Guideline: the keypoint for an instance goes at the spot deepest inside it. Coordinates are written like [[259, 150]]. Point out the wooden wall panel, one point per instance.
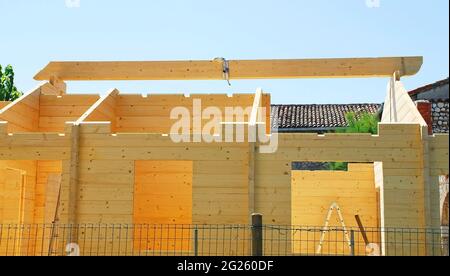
[[163, 196], [57, 110], [163, 192], [23, 114], [151, 114], [17, 198], [28, 169], [313, 192], [438, 149], [273, 189], [220, 170], [105, 191], [220, 192], [105, 111], [398, 147], [46, 193], [398, 106]]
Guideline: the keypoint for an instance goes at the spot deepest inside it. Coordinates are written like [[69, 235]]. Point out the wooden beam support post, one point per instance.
[[74, 172], [58, 84], [253, 135], [257, 235]]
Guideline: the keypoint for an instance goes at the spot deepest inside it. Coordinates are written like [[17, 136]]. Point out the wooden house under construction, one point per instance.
[[77, 159]]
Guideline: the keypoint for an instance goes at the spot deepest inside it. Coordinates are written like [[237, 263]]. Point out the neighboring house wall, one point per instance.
[[436, 91], [440, 115], [437, 94]]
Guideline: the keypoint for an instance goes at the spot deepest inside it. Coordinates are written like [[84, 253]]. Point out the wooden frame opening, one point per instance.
[[313, 194]]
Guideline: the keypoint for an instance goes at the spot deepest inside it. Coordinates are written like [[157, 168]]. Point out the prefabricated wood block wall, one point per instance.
[[17, 190], [28, 195], [314, 192], [102, 163], [152, 114], [159, 113], [398, 147], [41, 112], [162, 196], [55, 111], [163, 192], [220, 172], [35, 184], [107, 163]]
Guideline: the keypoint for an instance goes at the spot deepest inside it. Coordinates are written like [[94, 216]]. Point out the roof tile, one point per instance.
[[316, 115]]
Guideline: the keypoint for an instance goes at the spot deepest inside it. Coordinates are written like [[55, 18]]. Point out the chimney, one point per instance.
[[424, 108]]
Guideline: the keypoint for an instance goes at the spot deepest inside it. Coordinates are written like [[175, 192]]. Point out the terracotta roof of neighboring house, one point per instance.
[[429, 87], [317, 116]]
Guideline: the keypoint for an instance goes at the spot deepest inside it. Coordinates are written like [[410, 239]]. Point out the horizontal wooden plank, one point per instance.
[[104, 167], [56, 123], [338, 142], [105, 207], [62, 110], [333, 175], [239, 69], [151, 101], [68, 100], [19, 118], [162, 153], [104, 218], [335, 155], [100, 104], [34, 153], [136, 140]]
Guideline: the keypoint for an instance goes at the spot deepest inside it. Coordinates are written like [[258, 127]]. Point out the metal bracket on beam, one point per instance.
[[225, 69], [397, 75]]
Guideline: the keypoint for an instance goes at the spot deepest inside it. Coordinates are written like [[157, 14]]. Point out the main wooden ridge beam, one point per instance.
[[238, 69]]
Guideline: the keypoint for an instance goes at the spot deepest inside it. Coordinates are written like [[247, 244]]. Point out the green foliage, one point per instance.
[[8, 92], [337, 166], [366, 123]]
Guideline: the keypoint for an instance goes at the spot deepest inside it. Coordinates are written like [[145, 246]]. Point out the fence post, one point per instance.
[[257, 235], [352, 242], [444, 240], [196, 241]]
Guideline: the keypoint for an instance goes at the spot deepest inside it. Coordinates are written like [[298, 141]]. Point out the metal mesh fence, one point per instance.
[[216, 240]]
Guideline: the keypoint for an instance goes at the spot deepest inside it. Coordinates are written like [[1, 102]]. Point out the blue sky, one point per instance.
[[36, 32]]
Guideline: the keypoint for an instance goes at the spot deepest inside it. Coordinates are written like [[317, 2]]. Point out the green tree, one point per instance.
[[338, 166], [364, 123], [8, 92]]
